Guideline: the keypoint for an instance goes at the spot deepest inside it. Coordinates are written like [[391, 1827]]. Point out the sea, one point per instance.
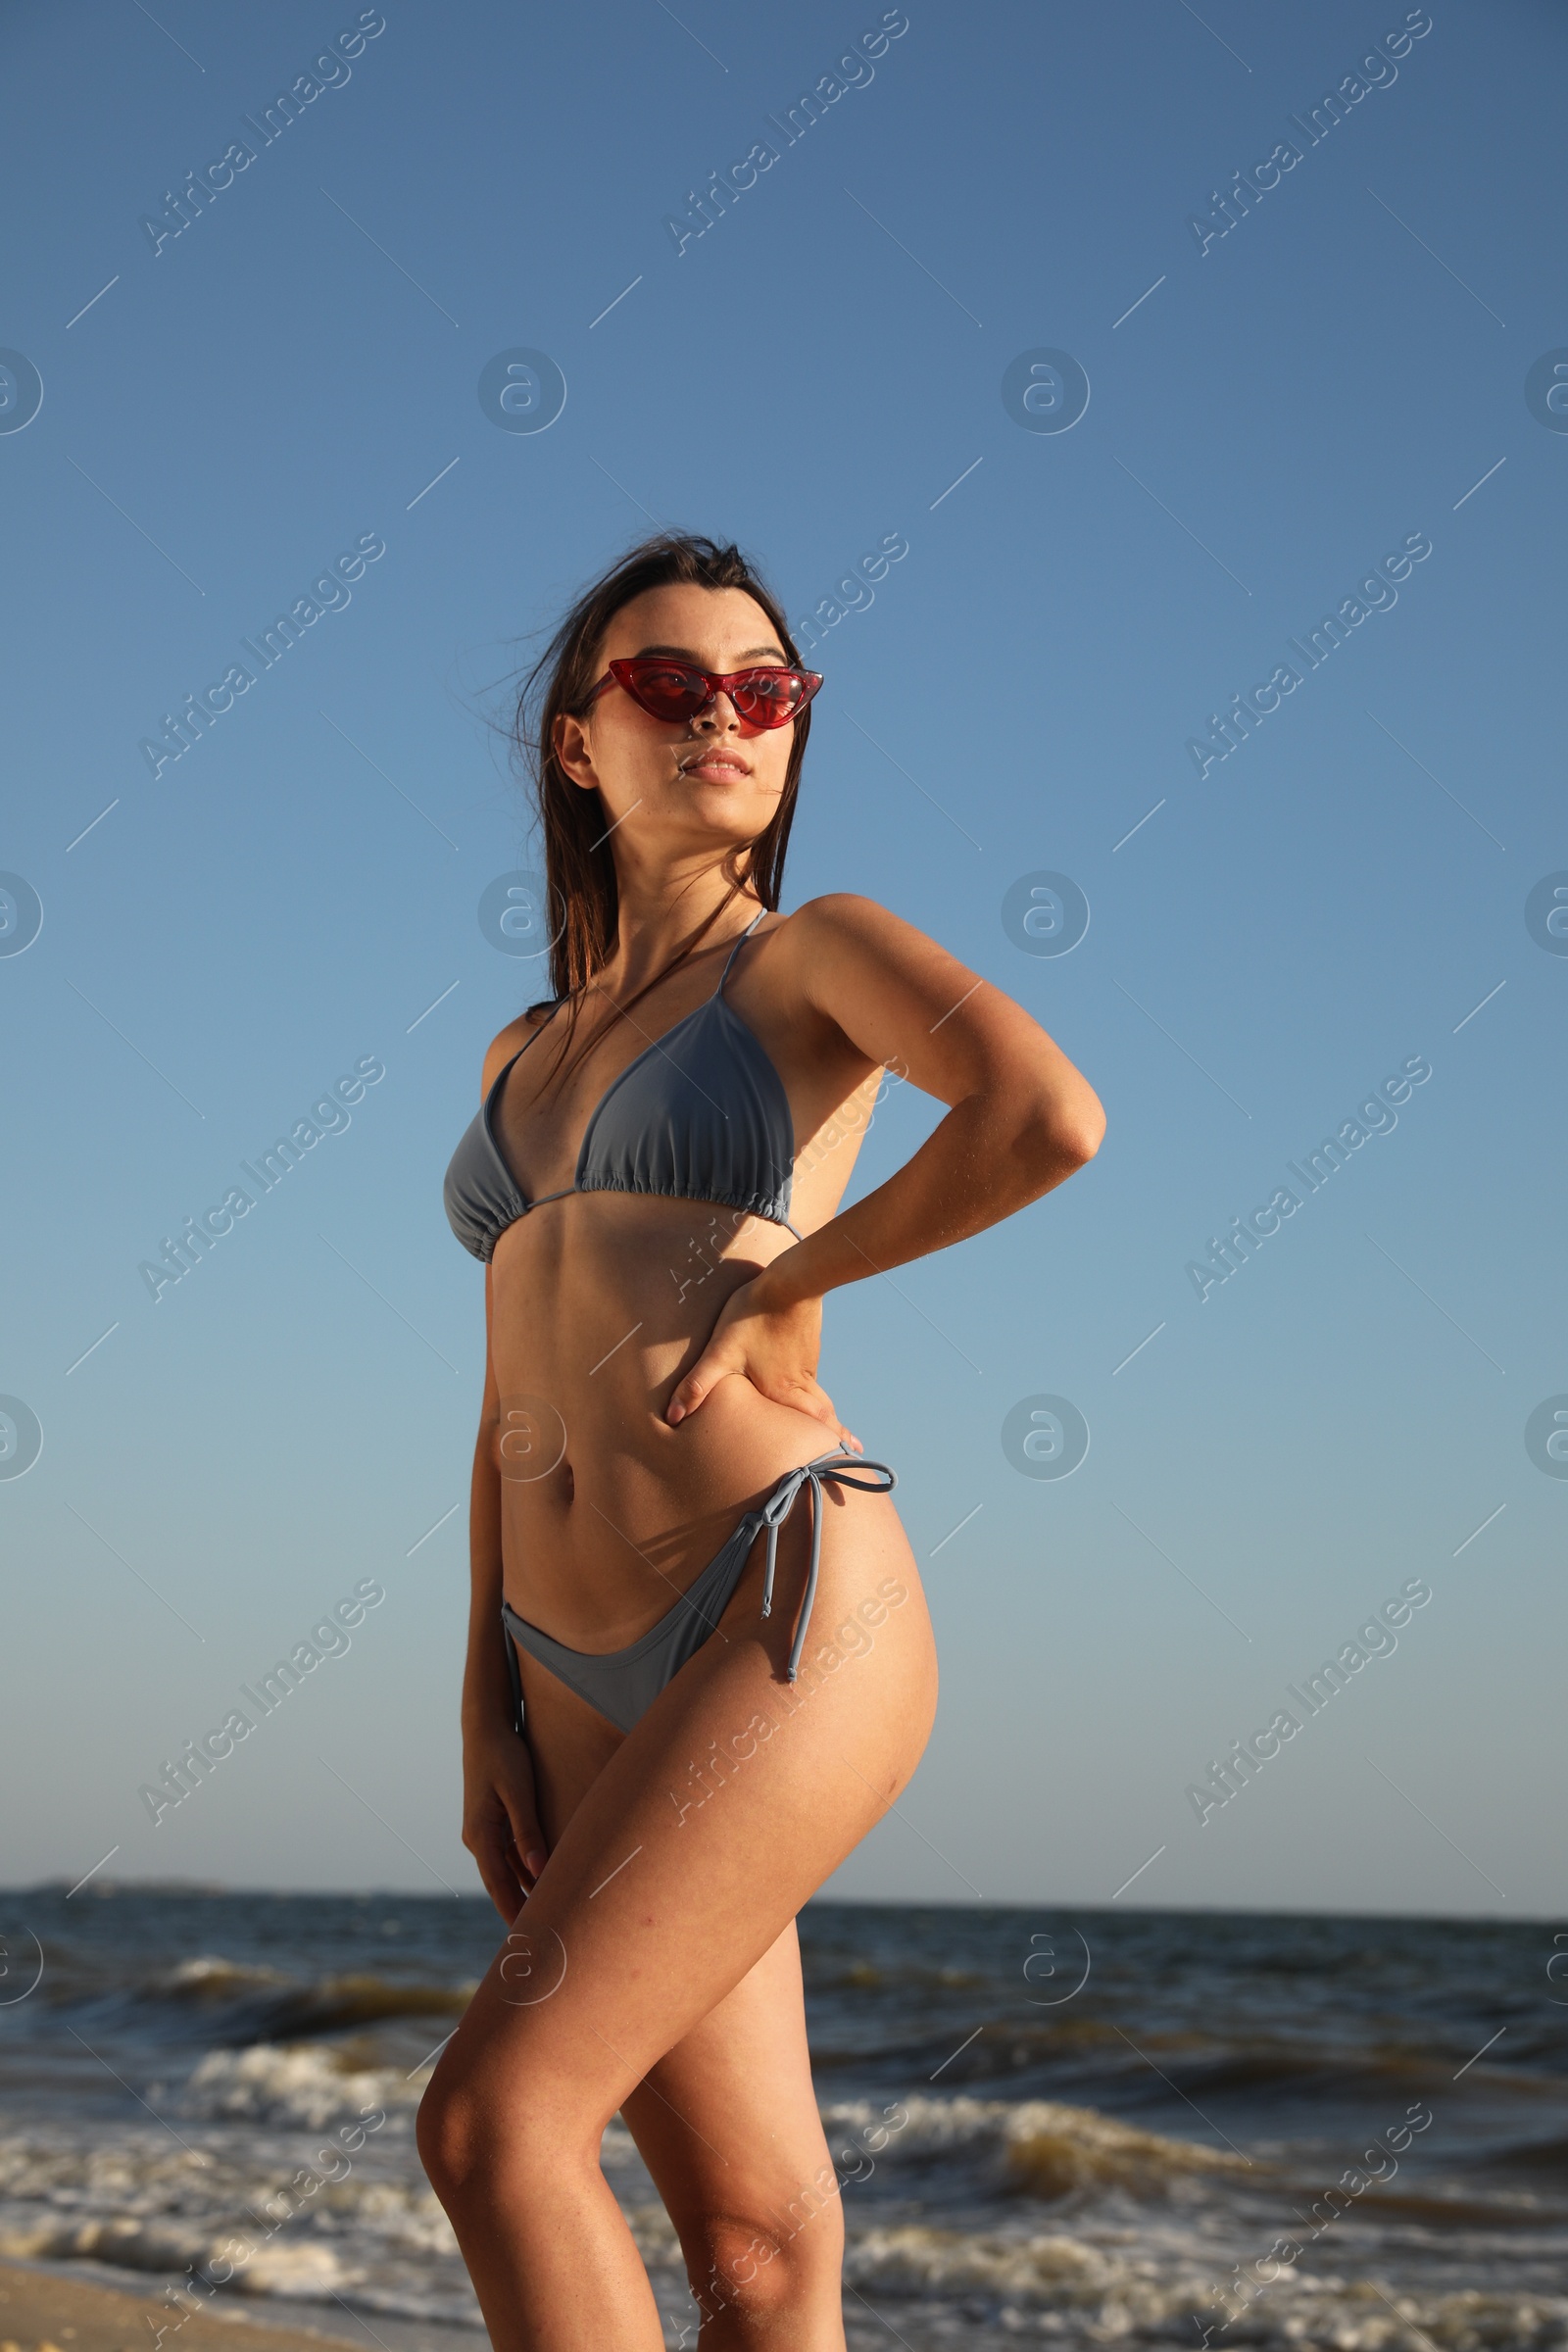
[[1083, 2127]]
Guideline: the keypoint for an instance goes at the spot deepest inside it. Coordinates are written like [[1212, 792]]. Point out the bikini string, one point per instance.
[[782, 1501], [772, 1516]]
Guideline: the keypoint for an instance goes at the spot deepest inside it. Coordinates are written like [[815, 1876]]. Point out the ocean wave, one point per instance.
[[316, 2084], [277, 2005], [976, 2280], [378, 2241], [210, 1972], [1037, 2146], [129, 2244], [873, 1976], [365, 2000], [913, 2260], [1110, 2295], [237, 2207], [307, 2267], [1546, 2156], [1225, 2069], [250, 2000], [144, 2190], [301, 2083]]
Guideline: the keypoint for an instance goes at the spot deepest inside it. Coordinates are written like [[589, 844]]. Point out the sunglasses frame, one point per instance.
[[623, 673]]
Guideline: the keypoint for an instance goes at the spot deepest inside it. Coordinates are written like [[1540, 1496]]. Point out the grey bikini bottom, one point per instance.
[[622, 1684]]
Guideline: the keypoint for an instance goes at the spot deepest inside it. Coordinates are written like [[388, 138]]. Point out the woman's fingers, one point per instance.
[[527, 1836], [498, 1871], [502, 1832], [822, 1407], [784, 1382], [506, 1897], [819, 1404], [700, 1381]]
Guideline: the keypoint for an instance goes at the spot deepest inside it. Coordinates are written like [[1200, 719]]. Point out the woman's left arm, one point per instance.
[[1020, 1120]]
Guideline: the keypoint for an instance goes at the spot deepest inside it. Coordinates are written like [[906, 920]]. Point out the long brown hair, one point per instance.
[[580, 863]]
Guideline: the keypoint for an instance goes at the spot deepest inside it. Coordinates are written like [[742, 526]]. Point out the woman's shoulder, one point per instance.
[[832, 910], [509, 1042], [843, 951], [836, 917]]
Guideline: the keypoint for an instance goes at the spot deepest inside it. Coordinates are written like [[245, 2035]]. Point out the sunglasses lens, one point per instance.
[[767, 698], [668, 692]]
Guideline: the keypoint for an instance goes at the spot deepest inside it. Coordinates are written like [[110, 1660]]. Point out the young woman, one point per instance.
[[716, 1670]]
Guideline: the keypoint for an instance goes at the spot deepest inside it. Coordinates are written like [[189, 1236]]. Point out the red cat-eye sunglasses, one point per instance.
[[676, 691]]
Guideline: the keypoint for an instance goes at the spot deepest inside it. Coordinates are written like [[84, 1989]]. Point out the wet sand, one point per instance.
[[38, 2308]]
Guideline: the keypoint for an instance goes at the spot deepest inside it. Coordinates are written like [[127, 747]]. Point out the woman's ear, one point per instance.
[[569, 743]]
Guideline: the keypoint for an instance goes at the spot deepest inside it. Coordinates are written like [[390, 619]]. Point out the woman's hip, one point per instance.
[[837, 1614]]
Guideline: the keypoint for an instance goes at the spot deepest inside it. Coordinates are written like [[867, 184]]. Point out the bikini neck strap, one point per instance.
[[736, 948]]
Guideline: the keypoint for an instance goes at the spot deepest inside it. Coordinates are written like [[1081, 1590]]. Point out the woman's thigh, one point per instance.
[[705, 1831], [727, 2125]]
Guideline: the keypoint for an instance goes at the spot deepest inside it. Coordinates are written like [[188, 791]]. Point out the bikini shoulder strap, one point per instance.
[[736, 948], [531, 1039]]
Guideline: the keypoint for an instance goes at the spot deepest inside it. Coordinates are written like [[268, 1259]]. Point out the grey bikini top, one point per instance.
[[701, 1115]]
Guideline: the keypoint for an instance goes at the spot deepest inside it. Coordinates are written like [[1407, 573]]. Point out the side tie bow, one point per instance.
[[781, 1502]]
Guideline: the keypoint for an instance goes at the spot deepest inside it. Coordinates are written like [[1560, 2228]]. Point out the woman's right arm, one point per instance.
[[500, 1814]]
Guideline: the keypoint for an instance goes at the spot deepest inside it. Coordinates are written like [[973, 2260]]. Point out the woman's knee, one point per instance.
[[452, 2133], [478, 2145], [756, 2264]]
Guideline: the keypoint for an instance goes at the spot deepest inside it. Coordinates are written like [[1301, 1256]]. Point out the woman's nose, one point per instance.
[[718, 712]]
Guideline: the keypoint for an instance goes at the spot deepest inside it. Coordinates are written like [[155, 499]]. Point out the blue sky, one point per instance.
[[1271, 412]]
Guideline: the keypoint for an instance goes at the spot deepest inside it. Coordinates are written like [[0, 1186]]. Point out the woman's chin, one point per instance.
[[726, 812]]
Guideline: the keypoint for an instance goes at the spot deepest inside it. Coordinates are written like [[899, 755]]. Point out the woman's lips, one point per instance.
[[715, 765]]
